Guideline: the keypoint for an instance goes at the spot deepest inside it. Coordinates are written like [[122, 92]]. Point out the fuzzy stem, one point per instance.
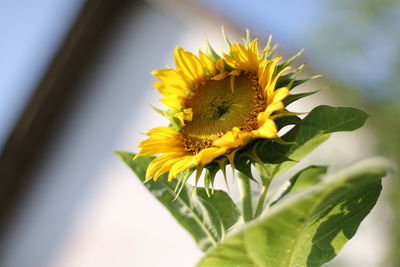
[[245, 197], [266, 178], [261, 200]]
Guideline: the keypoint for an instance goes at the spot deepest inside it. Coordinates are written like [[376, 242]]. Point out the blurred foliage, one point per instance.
[[360, 41], [386, 126]]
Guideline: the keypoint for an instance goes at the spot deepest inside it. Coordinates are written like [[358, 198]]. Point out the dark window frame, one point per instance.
[[34, 130]]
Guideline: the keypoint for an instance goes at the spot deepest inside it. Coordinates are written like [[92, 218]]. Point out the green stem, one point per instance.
[[266, 178], [245, 197], [261, 200]]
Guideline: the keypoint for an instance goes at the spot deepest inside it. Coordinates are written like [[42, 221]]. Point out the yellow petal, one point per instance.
[[272, 85], [162, 164], [184, 163], [188, 114], [220, 76], [267, 130], [162, 139], [263, 73], [207, 63], [253, 47], [232, 139], [235, 72], [165, 142], [171, 77], [189, 64], [155, 150], [219, 65], [172, 83], [278, 95], [244, 58], [274, 107], [166, 89], [173, 102], [267, 76], [181, 119], [209, 154], [162, 130]]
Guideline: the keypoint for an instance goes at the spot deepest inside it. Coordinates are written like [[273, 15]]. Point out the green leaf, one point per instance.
[[308, 177], [305, 178], [310, 133], [296, 153], [308, 228], [207, 219], [328, 119]]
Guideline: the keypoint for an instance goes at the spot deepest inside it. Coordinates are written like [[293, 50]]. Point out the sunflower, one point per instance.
[[216, 105]]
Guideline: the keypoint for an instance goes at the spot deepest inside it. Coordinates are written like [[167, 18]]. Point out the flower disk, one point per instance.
[[217, 105]]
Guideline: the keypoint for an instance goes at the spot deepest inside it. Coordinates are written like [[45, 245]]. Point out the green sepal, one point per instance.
[[269, 151], [170, 115], [247, 41], [289, 80], [211, 171], [243, 164], [228, 43], [199, 170], [270, 54], [285, 79], [286, 120], [254, 160], [228, 68], [182, 178], [207, 72], [299, 82], [222, 162], [294, 97], [289, 61], [214, 56], [268, 45], [268, 51]]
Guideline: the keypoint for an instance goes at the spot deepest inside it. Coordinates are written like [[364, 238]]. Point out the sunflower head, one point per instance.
[[220, 107]]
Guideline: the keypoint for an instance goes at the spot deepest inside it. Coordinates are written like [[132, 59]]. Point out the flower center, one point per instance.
[[218, 107]]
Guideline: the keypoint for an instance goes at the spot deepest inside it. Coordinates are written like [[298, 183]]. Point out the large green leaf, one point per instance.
[[207, 219], [308, 228], [305, 178], [307, 135]]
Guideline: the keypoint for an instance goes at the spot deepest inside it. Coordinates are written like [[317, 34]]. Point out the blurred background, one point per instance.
[[74, 80]]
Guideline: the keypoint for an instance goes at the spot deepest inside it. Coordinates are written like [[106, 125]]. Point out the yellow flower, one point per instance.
[[216, 106]]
